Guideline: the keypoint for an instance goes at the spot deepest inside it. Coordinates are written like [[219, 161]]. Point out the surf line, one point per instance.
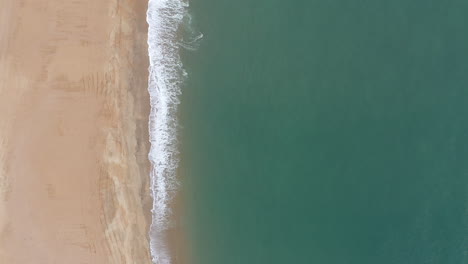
[[166, 75]]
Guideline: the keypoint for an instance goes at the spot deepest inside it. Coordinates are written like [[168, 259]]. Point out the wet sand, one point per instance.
[[73, 132]]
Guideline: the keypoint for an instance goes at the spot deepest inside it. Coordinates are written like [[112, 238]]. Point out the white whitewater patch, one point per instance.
[[166, 76]]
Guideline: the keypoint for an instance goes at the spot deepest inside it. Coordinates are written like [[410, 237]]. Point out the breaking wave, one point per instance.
[[166, 76]]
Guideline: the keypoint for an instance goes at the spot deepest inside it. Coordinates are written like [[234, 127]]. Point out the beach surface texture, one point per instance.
[[74, 107]]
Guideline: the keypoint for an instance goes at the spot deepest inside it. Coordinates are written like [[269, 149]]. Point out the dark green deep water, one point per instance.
[[327, 131]]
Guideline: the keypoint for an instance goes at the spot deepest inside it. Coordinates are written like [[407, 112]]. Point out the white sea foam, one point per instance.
[[166, 76]]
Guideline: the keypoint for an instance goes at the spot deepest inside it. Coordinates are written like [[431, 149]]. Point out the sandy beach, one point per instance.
[[73, 132]]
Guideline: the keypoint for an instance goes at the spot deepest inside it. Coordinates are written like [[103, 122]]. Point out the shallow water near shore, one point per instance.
[[326, 132]]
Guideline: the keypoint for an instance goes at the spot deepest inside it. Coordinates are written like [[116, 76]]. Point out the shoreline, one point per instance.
[[74, 139], [166, 77]]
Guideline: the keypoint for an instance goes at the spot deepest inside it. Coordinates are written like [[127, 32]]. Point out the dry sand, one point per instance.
[[73, 137]]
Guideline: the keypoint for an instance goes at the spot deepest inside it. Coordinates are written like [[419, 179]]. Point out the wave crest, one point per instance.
[[166, 75]]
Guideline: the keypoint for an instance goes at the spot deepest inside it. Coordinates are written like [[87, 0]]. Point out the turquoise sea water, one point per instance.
[[327, 132]]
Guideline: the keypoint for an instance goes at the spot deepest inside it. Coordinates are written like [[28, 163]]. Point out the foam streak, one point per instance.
[[164, 85]]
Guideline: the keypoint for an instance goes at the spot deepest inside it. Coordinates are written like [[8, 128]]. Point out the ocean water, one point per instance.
[[327, 132]]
